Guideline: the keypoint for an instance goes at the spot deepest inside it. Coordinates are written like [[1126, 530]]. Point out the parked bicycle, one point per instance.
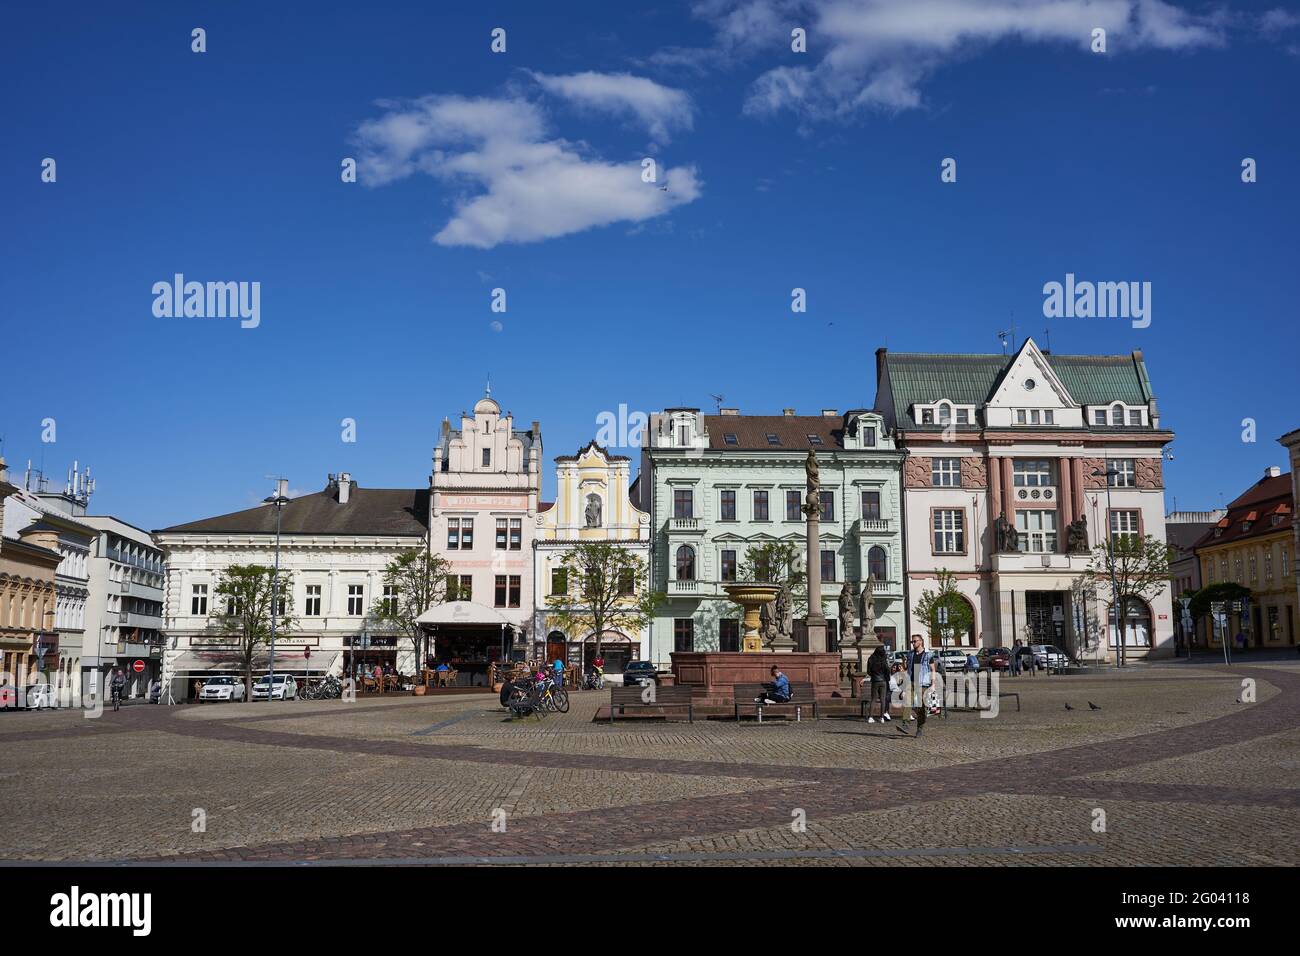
[[328, 688]]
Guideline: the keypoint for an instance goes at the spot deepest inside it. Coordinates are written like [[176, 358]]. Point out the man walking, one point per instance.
[[921, 668]]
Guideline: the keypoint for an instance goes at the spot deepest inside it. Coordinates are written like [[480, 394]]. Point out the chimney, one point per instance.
[[1272, 471], [345, 487], [880, 363], [728, 411], [830, 413], [788, 412]]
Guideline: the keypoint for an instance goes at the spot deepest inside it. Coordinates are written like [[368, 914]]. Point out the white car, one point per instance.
[[286, 688], [222, 688], [953, 659], [41, 695]]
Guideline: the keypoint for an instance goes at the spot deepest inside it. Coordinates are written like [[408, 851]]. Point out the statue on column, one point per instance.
[[867, 607], [846, 614], [784, 612], [767, 622], [1076, 535], [1007, 539], [813, 500]]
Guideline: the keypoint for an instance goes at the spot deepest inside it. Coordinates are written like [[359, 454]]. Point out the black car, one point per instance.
[[640, 672]]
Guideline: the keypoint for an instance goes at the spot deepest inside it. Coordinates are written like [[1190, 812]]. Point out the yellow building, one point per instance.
[[592, 503], [27, 598], [1254, 546]]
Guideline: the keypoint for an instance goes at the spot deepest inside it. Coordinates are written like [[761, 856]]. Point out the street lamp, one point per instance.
[[279, 500], [1116, 598]]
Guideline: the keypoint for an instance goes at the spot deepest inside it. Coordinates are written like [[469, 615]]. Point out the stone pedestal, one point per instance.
[[713, 674]]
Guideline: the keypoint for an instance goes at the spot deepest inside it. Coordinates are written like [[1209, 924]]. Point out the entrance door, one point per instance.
[[555, 644], [1045, 616]]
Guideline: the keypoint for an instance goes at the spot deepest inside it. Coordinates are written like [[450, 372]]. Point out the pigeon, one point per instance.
[[1092, 706], [1068, 707]]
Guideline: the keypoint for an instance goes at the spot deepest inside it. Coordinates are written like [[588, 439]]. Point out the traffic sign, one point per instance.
[[138, 667]]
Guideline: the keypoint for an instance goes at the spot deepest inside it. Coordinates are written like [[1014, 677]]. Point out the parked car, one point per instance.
[[995, 658], [286, 688], [8, 697], [640, 672], [1049, 655], [952, 659], [223, 688], [41, 695]]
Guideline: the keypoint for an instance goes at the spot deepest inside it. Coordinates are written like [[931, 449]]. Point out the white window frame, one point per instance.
[[1021, 473], [1032, 526], [948, 531], [945, 468]]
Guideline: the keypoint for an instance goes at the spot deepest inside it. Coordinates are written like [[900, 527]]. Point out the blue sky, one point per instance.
[[482, 171]]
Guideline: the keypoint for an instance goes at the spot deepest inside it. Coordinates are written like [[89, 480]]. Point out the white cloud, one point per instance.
[[660, 109], [877, 54], [520, 185]]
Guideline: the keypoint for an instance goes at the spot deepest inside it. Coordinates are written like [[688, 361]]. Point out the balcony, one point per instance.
[[148, 622], [687, 588], [685, 525], [875, 526]]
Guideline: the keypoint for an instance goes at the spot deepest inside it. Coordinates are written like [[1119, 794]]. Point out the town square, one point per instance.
[[761, 435]]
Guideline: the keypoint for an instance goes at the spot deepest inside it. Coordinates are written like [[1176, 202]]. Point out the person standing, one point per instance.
[[921, 668], [1015, 658], [878, 672], [558, 667]]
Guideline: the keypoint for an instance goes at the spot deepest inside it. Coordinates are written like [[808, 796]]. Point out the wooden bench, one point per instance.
[[622, 698], [801, 696]]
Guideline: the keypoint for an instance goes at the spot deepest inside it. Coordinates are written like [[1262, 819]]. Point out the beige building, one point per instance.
[[27, 598], [1291, 441]]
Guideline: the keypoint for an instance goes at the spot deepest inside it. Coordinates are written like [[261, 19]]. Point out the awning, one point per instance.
[[207, 663], [463, 612]]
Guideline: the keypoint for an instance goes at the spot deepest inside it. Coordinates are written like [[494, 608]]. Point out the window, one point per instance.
[[877, 563], [281, 604], [390, 599], [1286, 562], [1099, 416], [501, 534], [516, 582], [1124, 526], [1037, 531], [516, 533], [730, 439], [871, 505], [683, 503], [356, 599], [460, 588], [199, 599], [453, 534], [559, 580], [1135, 416], [949, 531], [1137, 624], [728, 565], [828, 565], [1031, 472], [944, 416], [626, 581], [927, 416], [312, 606], [963, 416], [466, 534], [1020, 417], [500, 591], [815, 440], [1117, 415], [945, 472], [869, 436], [683, 634], [773, 439], [487, 457], [760, 505], [685, 563], [729, 634], [1122, 473], [828, 505], [1049, 417], [727, 504], [792, 499]]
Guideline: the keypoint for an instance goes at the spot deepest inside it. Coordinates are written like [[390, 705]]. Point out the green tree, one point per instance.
[[960, 617], [1225, 591], [778, 562], [242, 610], [1132, 567], [604, 588], [418, 581]]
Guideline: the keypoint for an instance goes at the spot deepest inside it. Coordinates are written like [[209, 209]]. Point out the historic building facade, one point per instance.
[[28, 560], [1291, 442], [334, 547], [1183, 529], [1254, 546], [484, 497], [592, 504], [1005, 486], [716, 486]]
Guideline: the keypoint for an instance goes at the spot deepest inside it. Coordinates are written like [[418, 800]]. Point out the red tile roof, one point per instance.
[[1269, 496]]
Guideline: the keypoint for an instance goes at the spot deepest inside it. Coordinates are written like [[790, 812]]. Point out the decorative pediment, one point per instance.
[[1030, 381]]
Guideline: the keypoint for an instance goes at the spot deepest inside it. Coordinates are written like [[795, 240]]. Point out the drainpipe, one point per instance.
[[902, 531]]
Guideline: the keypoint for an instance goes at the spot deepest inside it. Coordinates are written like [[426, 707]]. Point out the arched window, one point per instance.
[[1137, 623], [1117, 414], [877, 563], [685, 563]]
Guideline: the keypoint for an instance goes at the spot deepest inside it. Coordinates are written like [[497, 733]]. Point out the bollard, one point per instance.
[[798, 714]]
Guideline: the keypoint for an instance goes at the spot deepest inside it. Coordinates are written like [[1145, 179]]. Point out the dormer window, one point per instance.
[[944, 414], [730, 439], [963, 416], [815, 440], [683, 434], [869, 436], [927, 416], [1117, 415]]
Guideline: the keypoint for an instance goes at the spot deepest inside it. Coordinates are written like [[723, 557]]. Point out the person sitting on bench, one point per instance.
[[778, 691]]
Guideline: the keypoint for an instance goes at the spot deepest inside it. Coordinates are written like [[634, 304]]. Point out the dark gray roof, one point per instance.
[[381, 511], [791, 432]]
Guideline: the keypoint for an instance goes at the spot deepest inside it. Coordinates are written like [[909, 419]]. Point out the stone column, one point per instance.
[[995, 487], [1066, 467], [816, 620], [1008, 491]]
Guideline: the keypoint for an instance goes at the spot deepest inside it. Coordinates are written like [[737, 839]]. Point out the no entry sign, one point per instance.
[[138, 667]]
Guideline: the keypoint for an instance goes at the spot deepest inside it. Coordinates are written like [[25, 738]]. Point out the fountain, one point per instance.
[[751, 597]]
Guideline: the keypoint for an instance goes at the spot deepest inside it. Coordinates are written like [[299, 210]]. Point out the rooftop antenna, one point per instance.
[[488, 389], [718, 400], [1047, 339], [1009, 333]]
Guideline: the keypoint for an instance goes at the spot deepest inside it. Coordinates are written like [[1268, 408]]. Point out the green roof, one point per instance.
[[918, 377]]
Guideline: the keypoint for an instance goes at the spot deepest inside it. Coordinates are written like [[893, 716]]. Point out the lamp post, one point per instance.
[[1116, 599], [279, 500]]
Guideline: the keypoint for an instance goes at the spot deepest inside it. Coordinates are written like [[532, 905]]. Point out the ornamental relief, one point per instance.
[[1088, 466], [974, 472], [1150, 472], [916, 472]]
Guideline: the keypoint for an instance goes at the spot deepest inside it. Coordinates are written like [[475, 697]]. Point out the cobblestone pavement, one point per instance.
[[1171, 769]]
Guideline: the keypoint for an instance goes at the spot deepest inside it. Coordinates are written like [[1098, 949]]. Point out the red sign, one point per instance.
[[138, 667], [306, 652]]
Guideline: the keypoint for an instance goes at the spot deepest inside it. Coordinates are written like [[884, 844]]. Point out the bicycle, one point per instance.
[[117, 698]]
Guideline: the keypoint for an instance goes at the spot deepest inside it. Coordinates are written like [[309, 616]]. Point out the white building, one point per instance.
[[1028, 437], [124, 615], [334, 547]]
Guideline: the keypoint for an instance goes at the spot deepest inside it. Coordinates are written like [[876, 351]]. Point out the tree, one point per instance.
[[242, 610], [604, 588], [777, 562], [960, 617], [1086, 637], [1225, 591], [418, 579], [1129, 567]]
